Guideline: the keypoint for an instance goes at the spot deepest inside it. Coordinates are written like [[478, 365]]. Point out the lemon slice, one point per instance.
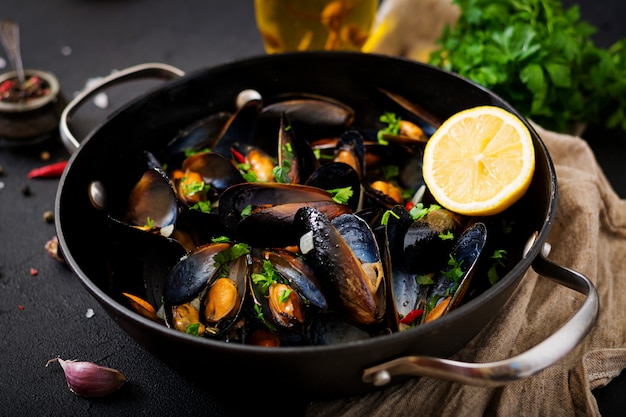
[[480, 161]]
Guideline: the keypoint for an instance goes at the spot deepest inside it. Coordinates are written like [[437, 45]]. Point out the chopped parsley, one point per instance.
[[392, 128], [191, 152], [267, 277], [424, 279], [446, 236], [385, 217], [192, 329], [281, 173], [498, 256], [418, 211], [194, 187], [203, 206], [341, 195], [284, 295], [246, 172], [246, 211], [390, 171], [259, 313], [234, 252], [455, 273]]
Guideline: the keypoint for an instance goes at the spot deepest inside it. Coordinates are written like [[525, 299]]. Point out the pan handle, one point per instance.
[[148, 70], [534, 360]]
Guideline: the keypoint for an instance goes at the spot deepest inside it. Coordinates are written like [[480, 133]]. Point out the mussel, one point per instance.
[[255, 212], [206, 289], [346, 254]]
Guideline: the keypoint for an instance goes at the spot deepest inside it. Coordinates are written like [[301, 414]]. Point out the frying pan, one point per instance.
[[344, 369]]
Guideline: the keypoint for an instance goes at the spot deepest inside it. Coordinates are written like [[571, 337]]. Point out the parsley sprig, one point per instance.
[[539, 57]]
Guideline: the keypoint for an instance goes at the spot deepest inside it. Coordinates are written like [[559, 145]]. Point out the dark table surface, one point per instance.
[[44, 315]]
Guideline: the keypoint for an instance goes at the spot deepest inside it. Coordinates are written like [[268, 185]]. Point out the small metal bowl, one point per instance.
[[33, 120]]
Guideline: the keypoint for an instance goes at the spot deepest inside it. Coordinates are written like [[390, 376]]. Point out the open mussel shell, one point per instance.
[[225, 299], [295, 154], [278, 308], [311, 115], [206, 289], [198, 136], [299, 275], [334, 175], [152, 201], [351, 274], [409, 110], [404, 292], [425, 247], [241, 128], [451, 285], [467, 251], [192, 273], [216, 170]]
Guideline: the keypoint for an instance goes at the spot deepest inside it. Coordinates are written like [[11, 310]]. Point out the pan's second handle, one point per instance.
[[148, 70], [534, 360]]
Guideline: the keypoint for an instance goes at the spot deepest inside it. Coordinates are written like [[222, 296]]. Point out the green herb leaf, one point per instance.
[[424, 279], [541, 58], [192, 329], [281, 173], [385, 217], [390, 171], [203, 206], [265, 278], [418, 211], [194, 187], [341, 195], [224, 257], [246, 211], [446, 236], [454, 273], [392, 128], [284, 295], [259, 313]]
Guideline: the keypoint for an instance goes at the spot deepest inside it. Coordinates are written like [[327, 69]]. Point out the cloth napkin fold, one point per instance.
[[588, 236]]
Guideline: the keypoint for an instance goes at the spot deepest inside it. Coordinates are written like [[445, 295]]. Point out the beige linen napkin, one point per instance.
[[588, 236]]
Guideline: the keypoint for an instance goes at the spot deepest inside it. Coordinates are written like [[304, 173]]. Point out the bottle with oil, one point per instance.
[[306, 25]]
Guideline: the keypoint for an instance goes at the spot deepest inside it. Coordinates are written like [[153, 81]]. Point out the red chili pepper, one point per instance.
[[239, 157], [48, 171], [411, 316], [409, 205]]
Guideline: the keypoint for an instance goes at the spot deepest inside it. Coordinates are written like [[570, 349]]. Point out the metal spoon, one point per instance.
[[10, 34]]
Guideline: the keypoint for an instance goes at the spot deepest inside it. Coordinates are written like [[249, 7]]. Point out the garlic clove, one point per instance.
[[88, 379]]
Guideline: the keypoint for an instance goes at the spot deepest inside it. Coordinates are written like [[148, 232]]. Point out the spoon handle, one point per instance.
[[10, 34]]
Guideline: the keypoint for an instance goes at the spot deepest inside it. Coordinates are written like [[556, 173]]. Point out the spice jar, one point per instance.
[[32, 114]]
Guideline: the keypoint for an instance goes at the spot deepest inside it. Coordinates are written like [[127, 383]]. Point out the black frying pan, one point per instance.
[[152, 120]]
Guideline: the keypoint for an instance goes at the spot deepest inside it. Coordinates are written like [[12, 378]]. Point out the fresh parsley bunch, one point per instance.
[[540, 58]]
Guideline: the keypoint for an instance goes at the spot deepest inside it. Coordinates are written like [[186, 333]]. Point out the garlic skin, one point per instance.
[[90, 380]]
